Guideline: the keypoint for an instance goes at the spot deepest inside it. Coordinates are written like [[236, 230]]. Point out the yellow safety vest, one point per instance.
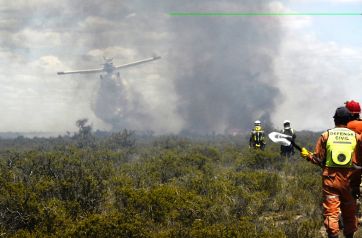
[[258, 128], [341, 143], [258, 134]]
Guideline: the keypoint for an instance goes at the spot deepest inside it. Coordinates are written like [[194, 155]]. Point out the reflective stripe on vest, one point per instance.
[[340, 147], [258, 134]]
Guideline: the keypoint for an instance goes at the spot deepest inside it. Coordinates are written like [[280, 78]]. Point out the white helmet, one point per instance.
[[257, 123], [286, 124]]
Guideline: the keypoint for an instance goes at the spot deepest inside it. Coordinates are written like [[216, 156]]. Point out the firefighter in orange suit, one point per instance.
[[356, 123], [338, 151]]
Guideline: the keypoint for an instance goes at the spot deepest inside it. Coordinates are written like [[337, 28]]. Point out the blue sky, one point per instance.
[[319, 64], [346, 30]]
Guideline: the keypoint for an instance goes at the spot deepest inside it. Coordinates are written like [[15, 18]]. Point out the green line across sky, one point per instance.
[[184, 14]]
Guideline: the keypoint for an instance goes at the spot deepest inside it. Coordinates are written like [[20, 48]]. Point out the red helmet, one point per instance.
[[353, 106]]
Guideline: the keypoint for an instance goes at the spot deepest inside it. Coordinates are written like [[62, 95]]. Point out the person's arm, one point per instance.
[[263, 138], [250, 139], [320, 148], [355, 179], [319, 155]]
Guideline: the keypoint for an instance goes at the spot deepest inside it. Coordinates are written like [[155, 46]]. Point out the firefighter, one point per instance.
[[338, 151], [287, 150], [355, 124], [257, 137]]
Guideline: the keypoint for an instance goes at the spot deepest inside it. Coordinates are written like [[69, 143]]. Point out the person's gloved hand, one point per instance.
[[304, 153]]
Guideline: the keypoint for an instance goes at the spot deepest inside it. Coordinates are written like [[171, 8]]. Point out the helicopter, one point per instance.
[[112, 100], [108, 66]]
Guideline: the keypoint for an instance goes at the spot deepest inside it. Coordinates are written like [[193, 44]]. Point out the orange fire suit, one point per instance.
[[355, 125], [338, 187]]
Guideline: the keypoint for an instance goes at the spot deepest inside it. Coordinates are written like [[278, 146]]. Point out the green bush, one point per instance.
[[120, 185]]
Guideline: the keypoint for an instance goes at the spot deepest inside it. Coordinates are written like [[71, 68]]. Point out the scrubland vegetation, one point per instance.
[[127, 185]]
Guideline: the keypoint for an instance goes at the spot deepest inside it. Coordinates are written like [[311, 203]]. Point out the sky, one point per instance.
[[319, 64], [216, 74]]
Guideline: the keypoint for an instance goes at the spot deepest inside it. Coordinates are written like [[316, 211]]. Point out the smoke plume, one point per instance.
[[221, 67], [216, 72], [224, 66]]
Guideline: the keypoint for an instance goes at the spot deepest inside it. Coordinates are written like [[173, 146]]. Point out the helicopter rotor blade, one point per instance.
[[137, 62], [87, 71]]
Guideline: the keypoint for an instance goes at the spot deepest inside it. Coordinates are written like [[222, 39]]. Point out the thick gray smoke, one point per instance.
[[224, 75], [116, 105], [216, 73], [221, 67]]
